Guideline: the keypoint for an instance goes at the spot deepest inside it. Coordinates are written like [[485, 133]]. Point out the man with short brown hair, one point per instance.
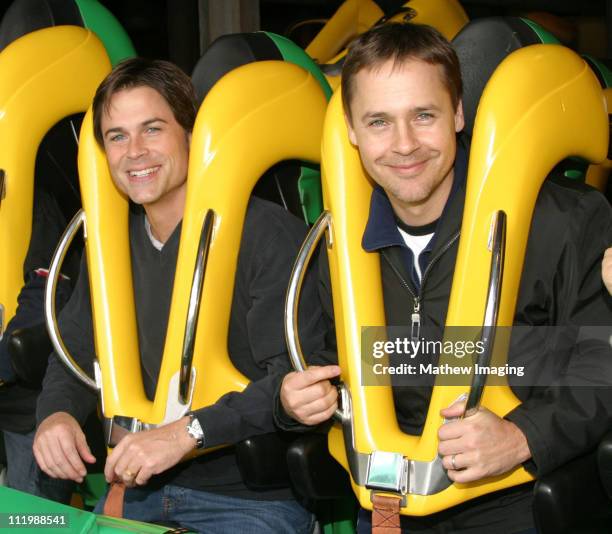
[[144, 112], [402, 99]]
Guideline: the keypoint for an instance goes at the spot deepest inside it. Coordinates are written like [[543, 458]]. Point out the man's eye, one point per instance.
[[424, 116], [117, 137], [377, 123], [152, 129]]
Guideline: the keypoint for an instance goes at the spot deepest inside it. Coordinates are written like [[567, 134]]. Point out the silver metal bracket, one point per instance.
[[387, 471], [117, 427]]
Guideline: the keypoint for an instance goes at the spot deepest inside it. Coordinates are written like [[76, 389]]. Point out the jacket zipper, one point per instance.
[[415, 327]]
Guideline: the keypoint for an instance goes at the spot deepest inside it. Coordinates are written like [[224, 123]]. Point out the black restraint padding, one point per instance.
[[481, 46], [227, 53], [571, 499], [604, 460], [314, 473], [25, 16], [261, 461], [29, 349]]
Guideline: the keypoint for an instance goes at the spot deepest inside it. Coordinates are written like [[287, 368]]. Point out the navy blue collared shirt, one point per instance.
[[381, 229]]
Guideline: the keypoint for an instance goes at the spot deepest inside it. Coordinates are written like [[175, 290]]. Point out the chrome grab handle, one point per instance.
[[50, 317], [497, 247], [194, 305], [292, 301]]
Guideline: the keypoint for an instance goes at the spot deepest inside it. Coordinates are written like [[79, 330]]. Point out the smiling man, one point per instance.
[[401, 90], [144, 112]]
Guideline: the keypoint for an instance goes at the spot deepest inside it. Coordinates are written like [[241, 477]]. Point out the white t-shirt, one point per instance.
[[416, 243]]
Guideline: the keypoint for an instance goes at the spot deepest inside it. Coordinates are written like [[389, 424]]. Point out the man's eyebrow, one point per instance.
[[421, 109], [368, 115], [155, 119]]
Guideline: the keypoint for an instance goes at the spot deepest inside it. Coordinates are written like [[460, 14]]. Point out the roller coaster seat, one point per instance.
[[293, 185], [55, 168], [25, 16], [296, 186]]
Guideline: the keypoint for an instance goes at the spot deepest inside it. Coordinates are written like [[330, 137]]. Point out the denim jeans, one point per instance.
[[210, 513], [23, 473]]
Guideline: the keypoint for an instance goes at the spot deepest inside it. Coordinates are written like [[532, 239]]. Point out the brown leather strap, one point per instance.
[[114, 500], [385, 514]]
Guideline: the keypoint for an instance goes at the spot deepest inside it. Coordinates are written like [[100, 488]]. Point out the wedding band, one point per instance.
[[453, 462], [129, 475]]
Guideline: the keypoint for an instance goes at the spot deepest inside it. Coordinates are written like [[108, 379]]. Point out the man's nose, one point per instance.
[[136, 147], [405, 139]]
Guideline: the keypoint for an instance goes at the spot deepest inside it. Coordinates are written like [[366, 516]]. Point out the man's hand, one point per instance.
[[606, 270], [139, 456], [482, 445], [60, 447], [308, 396]]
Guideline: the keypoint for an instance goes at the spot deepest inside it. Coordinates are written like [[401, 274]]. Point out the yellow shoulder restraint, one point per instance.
[[540, 96], [46, 76], [354, 17], [255, 116]]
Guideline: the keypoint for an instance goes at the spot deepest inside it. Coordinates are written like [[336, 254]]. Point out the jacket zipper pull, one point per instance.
[[415, 329]]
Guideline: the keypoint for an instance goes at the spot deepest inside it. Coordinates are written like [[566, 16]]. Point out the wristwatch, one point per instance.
[[194, 429]]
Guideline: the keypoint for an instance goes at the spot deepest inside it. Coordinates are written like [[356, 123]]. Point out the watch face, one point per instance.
[[194, 429]]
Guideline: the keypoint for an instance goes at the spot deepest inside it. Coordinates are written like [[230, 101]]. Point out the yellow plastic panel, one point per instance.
[[46, 75], [541, 105], [447, 16], [352, 18], [598, 175], [254, 117]]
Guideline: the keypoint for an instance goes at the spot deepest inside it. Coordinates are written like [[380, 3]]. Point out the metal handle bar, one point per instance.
[[292, 301], [50, 317], [194, 305], [498, 247]]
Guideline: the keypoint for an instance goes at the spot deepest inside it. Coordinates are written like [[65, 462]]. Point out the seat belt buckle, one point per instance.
[[387, 472]]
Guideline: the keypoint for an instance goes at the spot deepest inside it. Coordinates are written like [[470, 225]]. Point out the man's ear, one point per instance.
[[459, 118], [351, 132], [189, 134]]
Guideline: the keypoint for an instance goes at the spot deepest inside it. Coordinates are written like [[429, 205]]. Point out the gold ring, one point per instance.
[[453, 462], [129, 475]]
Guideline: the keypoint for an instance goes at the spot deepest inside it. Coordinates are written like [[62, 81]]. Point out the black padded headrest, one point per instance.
[[481, 46], [25, 16], [229, 52]]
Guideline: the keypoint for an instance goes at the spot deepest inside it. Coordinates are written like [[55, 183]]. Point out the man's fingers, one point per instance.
[[142, 477], [447, 447], [111, 461], [319, 410], [312, 375], [456, 409], [41, 460], [317, 398], [71, 454], [83, 448], [61, 464]]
